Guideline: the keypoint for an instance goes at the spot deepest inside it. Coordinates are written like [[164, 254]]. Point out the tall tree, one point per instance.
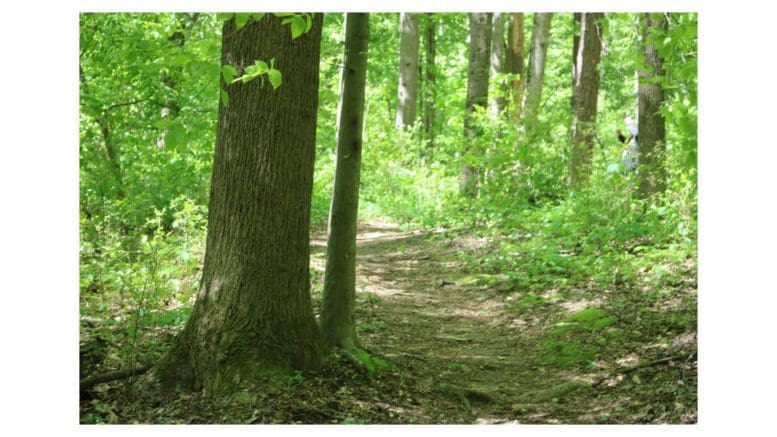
[[408, 70], [498, 101], [585, 90], [539, 50], [515, 61], [430, 89], [652, 128], [253, 316], [337, 311], [477, 95]]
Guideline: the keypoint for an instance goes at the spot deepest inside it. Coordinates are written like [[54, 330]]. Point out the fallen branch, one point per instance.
[[567, 387], [642, 365], [91, 381]]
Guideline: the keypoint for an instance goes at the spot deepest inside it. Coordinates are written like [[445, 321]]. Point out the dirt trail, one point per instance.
[[417, 307]]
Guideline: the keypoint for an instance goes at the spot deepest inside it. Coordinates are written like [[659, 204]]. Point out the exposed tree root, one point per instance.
[[91, 381], [465, 395]]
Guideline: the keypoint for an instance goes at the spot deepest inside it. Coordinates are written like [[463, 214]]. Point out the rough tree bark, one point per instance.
[[477, 95], [430, 90], [534, 77], [652, 129], [408, 71], [515, 61], [337, 311], [253, 316], [585, 90]]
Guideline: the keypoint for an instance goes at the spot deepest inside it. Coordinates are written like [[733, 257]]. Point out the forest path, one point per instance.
[[420, 305], [442, 325]]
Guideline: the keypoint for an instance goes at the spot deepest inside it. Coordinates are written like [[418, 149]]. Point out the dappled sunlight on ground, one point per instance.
[[449, 325]]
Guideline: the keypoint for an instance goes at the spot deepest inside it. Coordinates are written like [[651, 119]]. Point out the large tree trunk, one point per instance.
[[652, 129], [539, 50], [408, 71], [585, 91], [337, 312], [515, 61], [253, 316], [477, 95], [430, 91]]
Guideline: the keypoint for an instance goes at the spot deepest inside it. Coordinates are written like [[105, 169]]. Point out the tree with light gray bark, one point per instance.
[[408, 70], [539, 49]]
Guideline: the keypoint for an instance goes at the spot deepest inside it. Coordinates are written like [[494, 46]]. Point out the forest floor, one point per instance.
[[458, 346]]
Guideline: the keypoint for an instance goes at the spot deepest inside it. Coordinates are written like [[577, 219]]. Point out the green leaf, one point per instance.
[[176, 137], [165, 124], [309, 20], [181, 59], [258, 16], [276, 77], [259, 67], [224, 98], [228, 72], [224, 16], [209, 69], [298, 26], [241, 18]]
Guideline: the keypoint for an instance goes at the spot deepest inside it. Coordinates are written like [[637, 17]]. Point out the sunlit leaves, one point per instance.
[[256, 71], [241, 19], [228, 72], [276, 78], [300, 23], [180, 59], [176, 136]]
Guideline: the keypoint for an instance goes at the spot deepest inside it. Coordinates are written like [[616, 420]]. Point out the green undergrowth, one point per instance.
[[601, 237], [371, 363], [578, 338]]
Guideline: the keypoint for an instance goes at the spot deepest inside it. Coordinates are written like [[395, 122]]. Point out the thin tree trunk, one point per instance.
[[430, 91], [253, 316], [539, 48], [408, 70], [337, 312], [477, 96], [515, 61], [114, 163], [652, 129], [584, 97], [498, 101]]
